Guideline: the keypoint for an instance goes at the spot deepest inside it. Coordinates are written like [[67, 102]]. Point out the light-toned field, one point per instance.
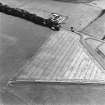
[[62, 58], [79, 15], [96, 29]]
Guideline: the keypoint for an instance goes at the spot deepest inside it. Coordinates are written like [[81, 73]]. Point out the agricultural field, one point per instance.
[[30, 52]]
